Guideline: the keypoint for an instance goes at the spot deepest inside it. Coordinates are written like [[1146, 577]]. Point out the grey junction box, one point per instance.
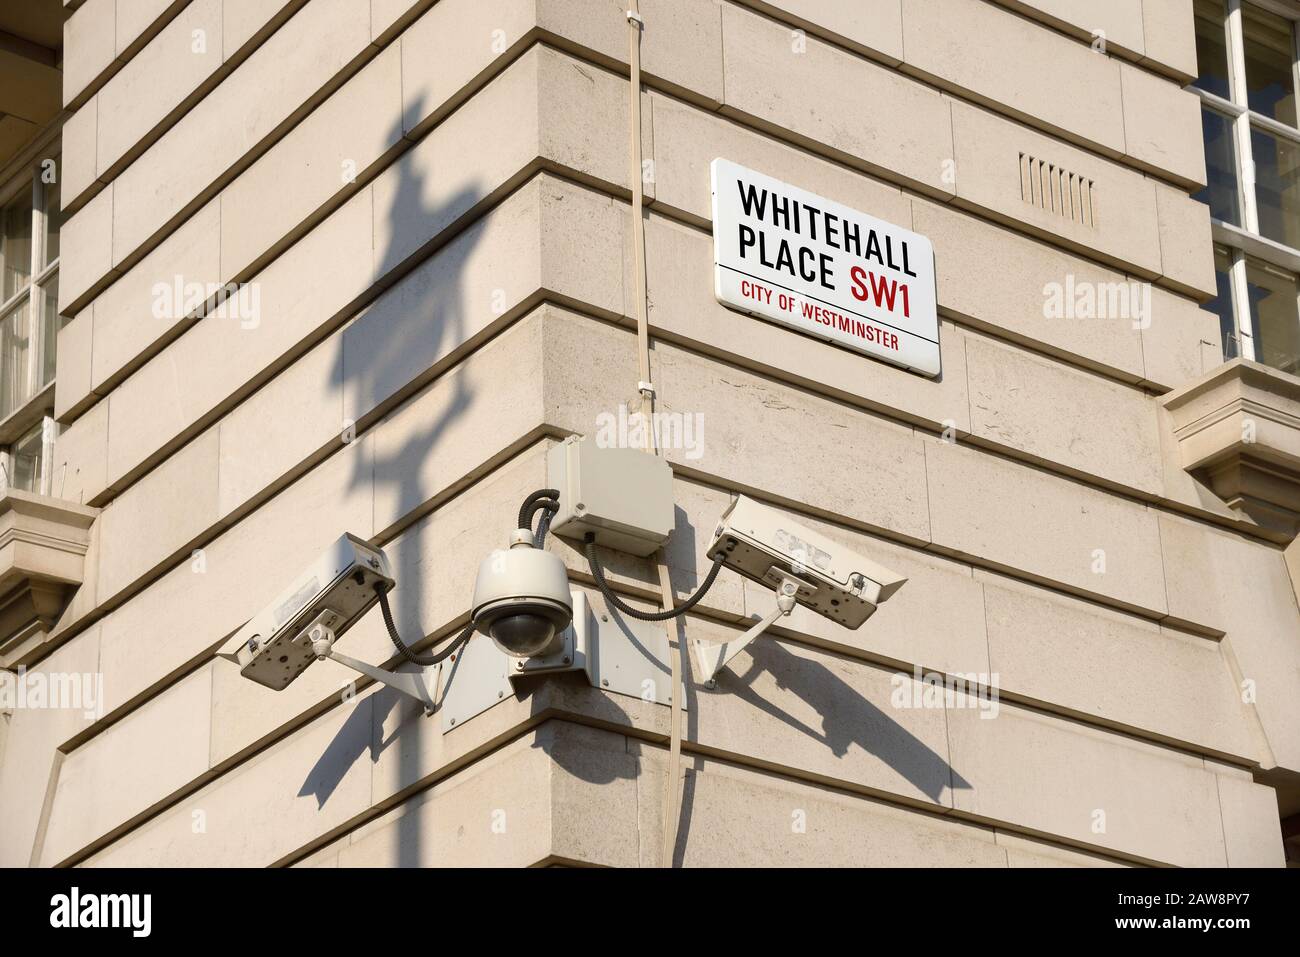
[[622, 495]]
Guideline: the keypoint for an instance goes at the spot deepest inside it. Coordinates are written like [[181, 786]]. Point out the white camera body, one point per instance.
[[766, 546], [274, 647], [522, 599]]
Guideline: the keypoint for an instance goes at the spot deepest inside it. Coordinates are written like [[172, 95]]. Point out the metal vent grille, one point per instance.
[[1058, 190]]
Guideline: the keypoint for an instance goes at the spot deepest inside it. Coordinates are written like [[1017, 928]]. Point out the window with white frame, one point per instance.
[[29, 323], [1249, 76]]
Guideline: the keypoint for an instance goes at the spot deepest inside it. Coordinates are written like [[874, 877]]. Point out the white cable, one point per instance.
[[672, 786]]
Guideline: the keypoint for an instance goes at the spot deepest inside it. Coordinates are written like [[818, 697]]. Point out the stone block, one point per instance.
[[1169, 35], [159, 515], [443, 303], [72, 368], [187, 51], [119, 774], [1250, 823], [88, 47], [1051, 776], [991, 152], [268, 809], [687, 140], [743, 818], [80, 457], [153, 299], [449, 46], [1186, 247], [1162, 127], [1206, 570], [1050, 412], [78, 166], [86, 251], [1047, 528], [1029, 72], [1113, 667], [1174, 343], [774, 80], [32, 739], [1042, 306], [281, 426], [317, 161]]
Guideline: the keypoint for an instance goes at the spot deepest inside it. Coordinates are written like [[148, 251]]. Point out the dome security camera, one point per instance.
[[522, 600]]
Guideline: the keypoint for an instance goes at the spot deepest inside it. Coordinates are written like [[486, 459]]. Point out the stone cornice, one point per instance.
[[43, 544], [1238, 428]]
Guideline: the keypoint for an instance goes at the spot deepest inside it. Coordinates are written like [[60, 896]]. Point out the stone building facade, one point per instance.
[[425, 210]]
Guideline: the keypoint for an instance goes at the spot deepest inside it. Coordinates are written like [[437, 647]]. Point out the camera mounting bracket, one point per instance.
[[320, 636], [712, 656], [618, 655]]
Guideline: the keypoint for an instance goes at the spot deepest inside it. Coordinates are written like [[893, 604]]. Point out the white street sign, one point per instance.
[[791, 256]]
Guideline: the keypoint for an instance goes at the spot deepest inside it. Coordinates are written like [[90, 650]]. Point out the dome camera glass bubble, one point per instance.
[[523, 635]]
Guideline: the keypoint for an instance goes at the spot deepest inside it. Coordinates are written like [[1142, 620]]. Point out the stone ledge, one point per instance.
[[1238, 428], [43, 544]]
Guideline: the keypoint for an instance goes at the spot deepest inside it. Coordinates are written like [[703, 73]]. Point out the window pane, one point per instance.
[[1271, 85], [1277, 187], [15, 340], [16, 242], [51, 202], [52, 325], [26, 461], [1275, 317], [1211, 48], [1220, 169], [1221, 304]]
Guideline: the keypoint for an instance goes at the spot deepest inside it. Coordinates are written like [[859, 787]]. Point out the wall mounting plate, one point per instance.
[[629, 657], [472, 683], [618, 654]]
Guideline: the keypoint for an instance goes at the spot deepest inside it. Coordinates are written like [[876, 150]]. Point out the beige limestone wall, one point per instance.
[[432, 202]]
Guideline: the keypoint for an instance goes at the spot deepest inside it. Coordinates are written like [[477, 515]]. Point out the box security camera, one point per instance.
[[274, 647], [766, 546]]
